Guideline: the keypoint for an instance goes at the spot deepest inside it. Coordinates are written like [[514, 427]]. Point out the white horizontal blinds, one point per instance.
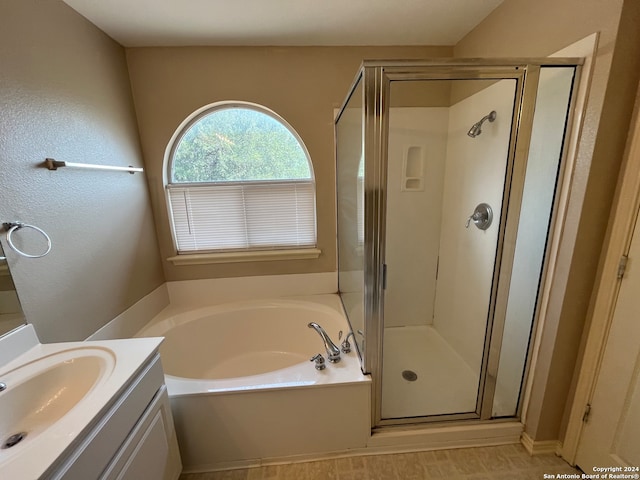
[[280, 215], [243, 216], [208, 217]]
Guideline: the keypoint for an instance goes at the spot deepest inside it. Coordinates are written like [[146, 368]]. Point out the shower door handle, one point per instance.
[[482, 217]]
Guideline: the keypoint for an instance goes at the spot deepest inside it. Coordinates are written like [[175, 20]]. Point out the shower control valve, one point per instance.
[[481, 217], [319, 359]]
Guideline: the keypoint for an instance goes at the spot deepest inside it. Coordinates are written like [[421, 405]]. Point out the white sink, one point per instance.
[[55, 393], [39, 393]]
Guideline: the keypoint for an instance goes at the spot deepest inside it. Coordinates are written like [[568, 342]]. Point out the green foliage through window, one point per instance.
[[238, 144]]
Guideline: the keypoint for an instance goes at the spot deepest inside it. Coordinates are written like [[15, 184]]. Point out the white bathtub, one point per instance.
[[242, 387]]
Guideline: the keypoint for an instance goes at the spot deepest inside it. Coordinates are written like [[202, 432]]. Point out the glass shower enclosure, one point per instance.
[[447, 174]]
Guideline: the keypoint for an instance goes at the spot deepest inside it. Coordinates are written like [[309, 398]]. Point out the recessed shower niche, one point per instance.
[[446, 191]]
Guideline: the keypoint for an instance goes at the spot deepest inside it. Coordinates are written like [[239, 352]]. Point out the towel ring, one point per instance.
[[13, 226]]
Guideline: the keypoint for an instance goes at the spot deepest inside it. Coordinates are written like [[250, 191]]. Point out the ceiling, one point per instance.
[[137, 23]]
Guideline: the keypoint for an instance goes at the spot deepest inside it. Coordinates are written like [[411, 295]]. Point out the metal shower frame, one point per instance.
[[376, 77]]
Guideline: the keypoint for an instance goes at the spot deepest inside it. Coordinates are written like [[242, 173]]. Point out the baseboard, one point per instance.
[[539, 447], [285, 460], [400, 441]]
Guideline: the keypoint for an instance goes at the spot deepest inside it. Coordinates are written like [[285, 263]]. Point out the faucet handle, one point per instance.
[[319, 359], [346, 346]]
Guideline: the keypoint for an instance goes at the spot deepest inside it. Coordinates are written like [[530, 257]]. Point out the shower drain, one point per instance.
[[14, 440], [409, 375]]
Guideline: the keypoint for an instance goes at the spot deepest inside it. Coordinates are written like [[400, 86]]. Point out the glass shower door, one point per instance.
[[448, 150]]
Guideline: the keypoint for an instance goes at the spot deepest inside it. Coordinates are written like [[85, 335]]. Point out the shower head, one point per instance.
[[476, 129]]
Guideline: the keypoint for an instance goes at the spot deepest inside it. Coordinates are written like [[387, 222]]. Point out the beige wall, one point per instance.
[[65, 93], [302, 84], [525, 28]]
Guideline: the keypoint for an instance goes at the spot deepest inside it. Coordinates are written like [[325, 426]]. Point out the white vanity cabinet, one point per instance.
[[94, 410], [134, 439]]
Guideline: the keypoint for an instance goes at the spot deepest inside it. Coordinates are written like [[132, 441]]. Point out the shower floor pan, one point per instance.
[[443, 383]]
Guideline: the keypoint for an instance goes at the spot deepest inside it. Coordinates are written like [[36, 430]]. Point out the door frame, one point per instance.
[[617, 243]]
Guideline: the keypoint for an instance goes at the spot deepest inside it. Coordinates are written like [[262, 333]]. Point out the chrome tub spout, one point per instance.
[[333, 352]]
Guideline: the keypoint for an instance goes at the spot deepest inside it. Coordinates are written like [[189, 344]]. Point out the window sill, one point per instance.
[[236, 257]]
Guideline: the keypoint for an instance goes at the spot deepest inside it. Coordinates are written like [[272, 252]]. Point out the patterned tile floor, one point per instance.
[[507, 462]]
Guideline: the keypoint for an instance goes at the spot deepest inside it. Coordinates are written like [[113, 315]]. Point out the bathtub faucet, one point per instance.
[[333, 352]]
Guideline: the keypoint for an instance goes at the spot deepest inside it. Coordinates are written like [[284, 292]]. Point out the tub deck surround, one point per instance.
[[242, 386], [259, 344], [301, 375], [214, 291]]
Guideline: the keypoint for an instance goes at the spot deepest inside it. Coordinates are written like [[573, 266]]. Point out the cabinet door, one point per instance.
[[148, 460], [150, 451]]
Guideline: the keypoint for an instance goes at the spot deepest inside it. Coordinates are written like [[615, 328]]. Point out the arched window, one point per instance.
[[239, 178]]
